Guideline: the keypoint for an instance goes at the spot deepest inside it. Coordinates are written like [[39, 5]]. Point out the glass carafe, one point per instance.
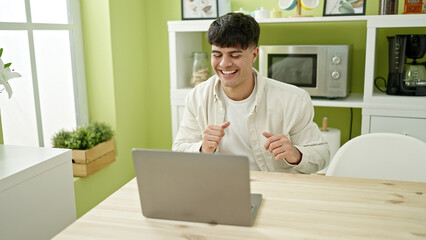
[[415, 75], [200, 68]]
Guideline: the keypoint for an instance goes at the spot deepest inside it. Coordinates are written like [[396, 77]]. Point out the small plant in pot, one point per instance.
[[92, 147]]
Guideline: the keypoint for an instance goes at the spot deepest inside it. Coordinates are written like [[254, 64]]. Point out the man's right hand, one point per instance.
[[212, 136]]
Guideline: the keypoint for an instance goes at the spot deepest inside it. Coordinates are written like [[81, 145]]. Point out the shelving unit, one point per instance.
[[186, 37], [386, 113]]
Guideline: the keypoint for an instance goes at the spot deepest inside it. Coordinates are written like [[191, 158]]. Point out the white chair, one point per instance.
[[386, 156]]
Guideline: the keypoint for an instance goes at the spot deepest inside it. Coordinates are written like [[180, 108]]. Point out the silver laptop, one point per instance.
[[196, 187]]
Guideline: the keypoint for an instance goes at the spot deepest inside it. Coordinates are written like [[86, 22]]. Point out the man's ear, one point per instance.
[[255, 54]]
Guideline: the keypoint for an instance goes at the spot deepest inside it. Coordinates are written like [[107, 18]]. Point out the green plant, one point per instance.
[[61, 139], [84, 137]]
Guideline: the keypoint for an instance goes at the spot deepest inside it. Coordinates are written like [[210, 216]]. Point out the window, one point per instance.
[[42, 39]]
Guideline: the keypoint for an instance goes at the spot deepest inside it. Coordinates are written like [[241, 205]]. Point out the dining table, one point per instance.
[[294, 206]]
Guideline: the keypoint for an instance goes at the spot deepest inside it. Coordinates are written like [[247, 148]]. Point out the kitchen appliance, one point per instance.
[[407, 75], [322, 70]]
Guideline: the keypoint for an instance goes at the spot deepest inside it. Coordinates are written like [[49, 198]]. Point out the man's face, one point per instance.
[[233, 65]]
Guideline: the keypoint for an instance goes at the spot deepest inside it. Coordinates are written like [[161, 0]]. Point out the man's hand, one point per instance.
[[281, 147], [212, 136]]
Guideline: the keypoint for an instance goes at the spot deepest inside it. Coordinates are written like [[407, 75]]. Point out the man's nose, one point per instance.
[[226, 61]]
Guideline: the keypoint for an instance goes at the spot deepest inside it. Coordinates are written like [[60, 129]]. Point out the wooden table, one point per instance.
[[294, 206]]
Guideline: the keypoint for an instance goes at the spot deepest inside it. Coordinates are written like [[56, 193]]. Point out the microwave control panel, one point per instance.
[[337, 71]]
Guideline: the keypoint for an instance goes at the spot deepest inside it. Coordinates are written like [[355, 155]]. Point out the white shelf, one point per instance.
[[314, 19], [383, 100], [189, 26], [397, 21], [354, 100], [203, 25], [375, 21]]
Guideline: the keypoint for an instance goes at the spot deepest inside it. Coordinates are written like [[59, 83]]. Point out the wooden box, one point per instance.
[[87, 162]]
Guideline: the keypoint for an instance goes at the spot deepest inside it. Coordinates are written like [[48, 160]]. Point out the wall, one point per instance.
[[159, 127], [115, 46]]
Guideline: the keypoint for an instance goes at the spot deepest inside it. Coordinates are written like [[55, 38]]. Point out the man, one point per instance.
[[239, 111]]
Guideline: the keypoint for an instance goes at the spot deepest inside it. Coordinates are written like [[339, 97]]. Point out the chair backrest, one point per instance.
[[387, 156]]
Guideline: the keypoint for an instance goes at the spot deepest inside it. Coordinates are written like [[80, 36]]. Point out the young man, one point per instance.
[[239, 111]]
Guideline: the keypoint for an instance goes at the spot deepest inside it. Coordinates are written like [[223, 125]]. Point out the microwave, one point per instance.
[[322, 70]]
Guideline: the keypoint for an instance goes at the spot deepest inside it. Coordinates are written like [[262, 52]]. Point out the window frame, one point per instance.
[[77, 60]]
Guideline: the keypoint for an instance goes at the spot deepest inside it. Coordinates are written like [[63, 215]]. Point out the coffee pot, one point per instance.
[[407, 75]]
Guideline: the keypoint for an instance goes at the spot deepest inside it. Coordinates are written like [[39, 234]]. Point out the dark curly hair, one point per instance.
[[234, 29]]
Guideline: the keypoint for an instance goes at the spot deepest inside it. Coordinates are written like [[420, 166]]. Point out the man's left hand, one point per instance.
[[281, 147]]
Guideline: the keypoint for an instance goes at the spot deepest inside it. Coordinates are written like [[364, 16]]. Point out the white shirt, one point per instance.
[[236, 139], [279, 108]]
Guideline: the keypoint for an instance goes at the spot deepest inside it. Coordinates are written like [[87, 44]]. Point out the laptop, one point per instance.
[[195, 187]]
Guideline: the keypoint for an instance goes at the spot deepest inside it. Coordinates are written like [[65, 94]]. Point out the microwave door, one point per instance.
[[300, 69]]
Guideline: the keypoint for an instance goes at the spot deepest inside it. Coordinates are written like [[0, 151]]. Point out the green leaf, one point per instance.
[[1, 51], [7, 65]]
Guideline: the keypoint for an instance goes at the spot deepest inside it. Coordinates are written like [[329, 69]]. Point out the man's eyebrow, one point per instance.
[[235, 51]]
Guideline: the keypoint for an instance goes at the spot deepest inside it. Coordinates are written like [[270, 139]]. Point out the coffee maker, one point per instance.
[[407, 76]]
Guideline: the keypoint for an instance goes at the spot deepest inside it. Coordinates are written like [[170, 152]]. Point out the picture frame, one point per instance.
[[200, 9], [344, 7]]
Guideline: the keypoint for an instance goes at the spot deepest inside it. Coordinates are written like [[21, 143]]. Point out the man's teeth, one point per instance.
[[229, 72]]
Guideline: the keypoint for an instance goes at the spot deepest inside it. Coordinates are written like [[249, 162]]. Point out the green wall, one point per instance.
[[115, 47], [158, 108]]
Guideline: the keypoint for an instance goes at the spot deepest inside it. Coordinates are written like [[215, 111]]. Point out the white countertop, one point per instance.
[[18, 163]]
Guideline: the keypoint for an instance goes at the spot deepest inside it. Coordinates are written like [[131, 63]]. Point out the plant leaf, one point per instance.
[[7, 65], [1, 51]]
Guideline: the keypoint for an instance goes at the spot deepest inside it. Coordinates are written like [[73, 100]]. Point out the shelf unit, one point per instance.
[[186, 37], [385, 113]]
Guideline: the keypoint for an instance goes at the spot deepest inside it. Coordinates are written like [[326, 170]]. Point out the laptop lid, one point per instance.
[[196, 187]]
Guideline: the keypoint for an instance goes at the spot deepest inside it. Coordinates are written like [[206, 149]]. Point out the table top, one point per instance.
[[294, 206]]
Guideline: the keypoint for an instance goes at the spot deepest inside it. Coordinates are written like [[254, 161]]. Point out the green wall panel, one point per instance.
[[158, 109], [116, 63]]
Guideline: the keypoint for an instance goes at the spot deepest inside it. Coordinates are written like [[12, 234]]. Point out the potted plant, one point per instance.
[[92, 147]]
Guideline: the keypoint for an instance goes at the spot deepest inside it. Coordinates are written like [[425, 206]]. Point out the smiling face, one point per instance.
[[233, 66]]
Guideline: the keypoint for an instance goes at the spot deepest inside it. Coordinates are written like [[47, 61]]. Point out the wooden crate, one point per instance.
[[87, 162]]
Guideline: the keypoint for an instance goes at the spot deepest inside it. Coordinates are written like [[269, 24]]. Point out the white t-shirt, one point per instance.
[[236, 139]]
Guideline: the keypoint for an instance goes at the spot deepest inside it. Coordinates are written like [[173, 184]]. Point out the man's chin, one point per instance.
[[229, 83]]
